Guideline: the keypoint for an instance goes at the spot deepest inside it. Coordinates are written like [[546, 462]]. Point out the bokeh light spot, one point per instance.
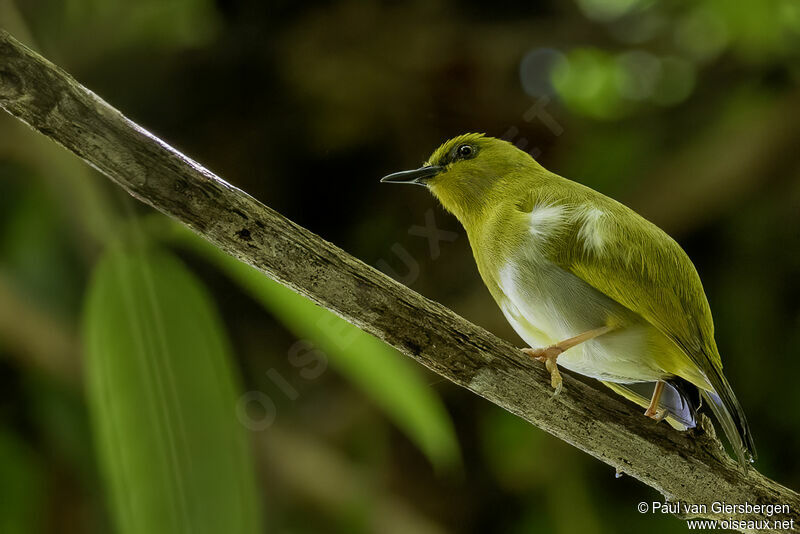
[[702, 34], [587, 83], [638, 74], [676, 83], [608, 10], [536, 68]]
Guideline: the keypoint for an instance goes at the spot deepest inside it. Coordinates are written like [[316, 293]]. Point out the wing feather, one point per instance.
[[632, 261], [637, 264]]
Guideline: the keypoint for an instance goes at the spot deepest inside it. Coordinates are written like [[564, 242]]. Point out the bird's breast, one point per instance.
[[546, 304]]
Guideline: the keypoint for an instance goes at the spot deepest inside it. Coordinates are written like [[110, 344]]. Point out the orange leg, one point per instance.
[[550, 354], [652, 411]]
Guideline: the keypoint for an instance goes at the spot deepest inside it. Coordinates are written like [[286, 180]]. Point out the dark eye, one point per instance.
[[465, 151]]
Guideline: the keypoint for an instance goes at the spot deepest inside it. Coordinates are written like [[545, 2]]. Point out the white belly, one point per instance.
[[546, 304]]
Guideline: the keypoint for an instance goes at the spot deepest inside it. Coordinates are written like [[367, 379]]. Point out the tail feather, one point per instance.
[[681, 400], [731, 417]]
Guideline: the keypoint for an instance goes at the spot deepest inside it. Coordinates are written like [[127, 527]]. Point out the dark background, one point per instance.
[[687, 111]]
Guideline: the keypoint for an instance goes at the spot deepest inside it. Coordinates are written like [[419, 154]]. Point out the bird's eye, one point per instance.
[[465, 151]]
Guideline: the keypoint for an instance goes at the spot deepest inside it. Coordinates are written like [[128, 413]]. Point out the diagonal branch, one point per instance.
[[689, 467]]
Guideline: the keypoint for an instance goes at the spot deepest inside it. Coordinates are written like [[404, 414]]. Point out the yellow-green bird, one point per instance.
[[588, 283]]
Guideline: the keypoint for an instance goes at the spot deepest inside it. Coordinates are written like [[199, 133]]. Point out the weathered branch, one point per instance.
[[686, 467]]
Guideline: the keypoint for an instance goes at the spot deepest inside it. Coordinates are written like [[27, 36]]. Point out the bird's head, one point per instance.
[[467, 173]]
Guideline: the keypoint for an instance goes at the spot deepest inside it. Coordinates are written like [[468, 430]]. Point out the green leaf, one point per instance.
[[162, 397], [393, 382]]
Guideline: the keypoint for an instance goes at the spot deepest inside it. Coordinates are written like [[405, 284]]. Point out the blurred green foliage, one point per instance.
[[75, 27], [393, 382], [161, 393], [688, 111], [22, 493]]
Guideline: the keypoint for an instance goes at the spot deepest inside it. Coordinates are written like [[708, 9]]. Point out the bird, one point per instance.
[[589, 284]]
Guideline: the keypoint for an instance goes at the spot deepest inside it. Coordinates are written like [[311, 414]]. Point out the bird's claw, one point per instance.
[[657, 415], [549, 355], [555, 377]]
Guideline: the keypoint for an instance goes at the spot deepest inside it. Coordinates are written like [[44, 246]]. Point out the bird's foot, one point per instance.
[[549, 355], [652, 410], [657, 415]]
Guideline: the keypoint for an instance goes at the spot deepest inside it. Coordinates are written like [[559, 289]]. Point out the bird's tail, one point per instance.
[[731, 417], [681, 400]]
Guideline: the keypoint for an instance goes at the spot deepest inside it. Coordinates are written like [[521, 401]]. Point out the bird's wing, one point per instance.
[[634, 262]]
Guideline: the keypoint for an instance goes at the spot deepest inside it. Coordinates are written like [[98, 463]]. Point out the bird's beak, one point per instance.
[[417, 176]]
